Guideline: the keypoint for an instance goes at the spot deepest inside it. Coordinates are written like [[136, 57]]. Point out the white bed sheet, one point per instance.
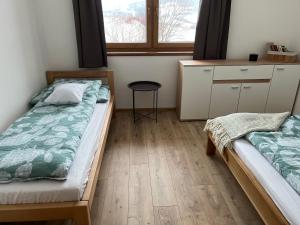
[[283, 195], [46, 191]]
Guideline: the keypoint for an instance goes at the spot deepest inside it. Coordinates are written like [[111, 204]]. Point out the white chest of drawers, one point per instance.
[[208, 89]]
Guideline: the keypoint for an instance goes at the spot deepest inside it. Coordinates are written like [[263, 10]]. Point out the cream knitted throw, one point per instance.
[[228, 128]]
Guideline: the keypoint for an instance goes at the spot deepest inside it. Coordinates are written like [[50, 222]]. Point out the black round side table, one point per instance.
[[145, 86]]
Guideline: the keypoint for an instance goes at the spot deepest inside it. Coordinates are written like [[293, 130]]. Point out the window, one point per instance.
[[177, 20], [125, 21], [150, 25]]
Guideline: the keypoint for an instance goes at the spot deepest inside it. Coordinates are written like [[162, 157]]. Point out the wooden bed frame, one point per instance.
[[256, 193], [79, 211]]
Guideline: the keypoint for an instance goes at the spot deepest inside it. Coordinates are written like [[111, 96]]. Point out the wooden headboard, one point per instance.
[[83, 74]]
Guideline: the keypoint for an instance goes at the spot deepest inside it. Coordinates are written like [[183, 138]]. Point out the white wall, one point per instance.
[[56, 27], [253, 23], [21, 61], [161, 69]]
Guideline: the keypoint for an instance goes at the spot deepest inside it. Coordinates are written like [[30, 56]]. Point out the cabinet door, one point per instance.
[[196, 91], [224, 99], [253, 97], [283, 88]]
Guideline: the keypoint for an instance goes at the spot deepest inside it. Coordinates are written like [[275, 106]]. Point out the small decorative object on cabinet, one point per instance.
[[208, 89], [253, 57], [280, 53]]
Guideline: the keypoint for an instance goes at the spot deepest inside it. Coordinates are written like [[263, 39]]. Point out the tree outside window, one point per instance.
[[150, 24]]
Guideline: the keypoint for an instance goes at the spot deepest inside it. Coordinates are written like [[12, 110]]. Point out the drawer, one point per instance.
[[243, 72], [198, 70], [287, 69]]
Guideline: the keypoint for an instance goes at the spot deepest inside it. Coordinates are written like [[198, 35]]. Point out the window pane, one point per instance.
[[125, 21], [178, 20]]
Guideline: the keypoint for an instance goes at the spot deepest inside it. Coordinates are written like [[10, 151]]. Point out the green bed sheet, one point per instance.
[[282, 149], [42, 143]]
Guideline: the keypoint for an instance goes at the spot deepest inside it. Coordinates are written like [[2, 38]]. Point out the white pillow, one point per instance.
[[69, 93]]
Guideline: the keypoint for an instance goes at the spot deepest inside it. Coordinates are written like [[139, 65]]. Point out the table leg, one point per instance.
[[156, 105], [153, 104], [133, 105]]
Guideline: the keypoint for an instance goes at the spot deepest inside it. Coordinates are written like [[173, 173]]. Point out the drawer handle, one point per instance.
[[280, 69], [247, 87], [207, 70], [235, 87], [244, 69]]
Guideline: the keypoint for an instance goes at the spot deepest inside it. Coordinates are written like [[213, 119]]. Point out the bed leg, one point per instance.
[[210, 148], [114, 112], [83, 217]]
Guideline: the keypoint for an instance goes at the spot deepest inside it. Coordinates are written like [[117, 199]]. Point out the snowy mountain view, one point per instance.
[[126, 20]]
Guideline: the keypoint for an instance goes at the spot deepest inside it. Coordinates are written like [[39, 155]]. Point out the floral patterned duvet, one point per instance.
[[42, 143], [282, 149]]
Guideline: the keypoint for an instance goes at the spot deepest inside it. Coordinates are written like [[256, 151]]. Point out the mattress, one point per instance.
[[283, 195], [72, 189]]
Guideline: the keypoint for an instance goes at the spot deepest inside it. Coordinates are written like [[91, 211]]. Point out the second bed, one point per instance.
[[283, 195]]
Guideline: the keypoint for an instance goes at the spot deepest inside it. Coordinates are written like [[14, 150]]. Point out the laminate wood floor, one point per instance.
[[158, 174]]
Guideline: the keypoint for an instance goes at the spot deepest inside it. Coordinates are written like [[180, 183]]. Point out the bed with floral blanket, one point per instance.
[[282, 149], [42, 143], [78, 210]]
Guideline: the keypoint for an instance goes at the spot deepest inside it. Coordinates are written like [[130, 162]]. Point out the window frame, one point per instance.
[[152, 44]]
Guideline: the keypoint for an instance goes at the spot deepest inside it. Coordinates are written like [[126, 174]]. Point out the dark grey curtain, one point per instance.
[[212, 30], [90, 33]]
